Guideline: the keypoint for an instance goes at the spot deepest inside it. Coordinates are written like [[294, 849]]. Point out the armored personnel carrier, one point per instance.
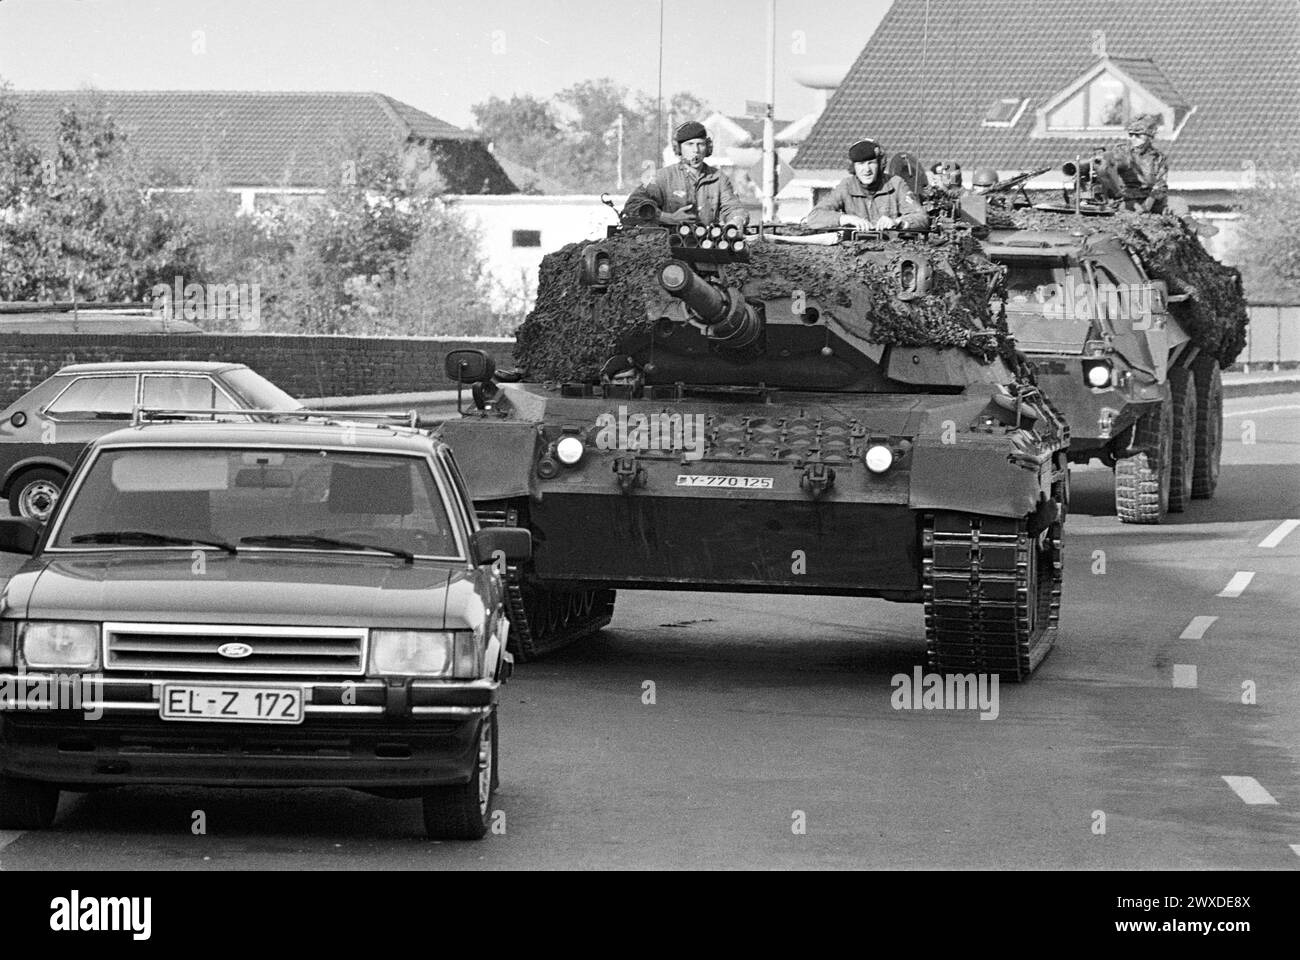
[[1128, 323], [834, 414]]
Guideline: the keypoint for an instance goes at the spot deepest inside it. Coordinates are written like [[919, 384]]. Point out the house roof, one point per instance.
[[527, 179], [1236, 64], [262, 138]]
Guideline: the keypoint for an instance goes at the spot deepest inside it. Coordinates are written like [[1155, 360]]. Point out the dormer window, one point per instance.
[[1005, 111], [1101, 102]]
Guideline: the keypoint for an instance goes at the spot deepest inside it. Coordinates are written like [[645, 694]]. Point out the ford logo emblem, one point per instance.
[[235, 651]]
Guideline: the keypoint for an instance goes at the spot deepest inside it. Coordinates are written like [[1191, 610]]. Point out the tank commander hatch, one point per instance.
[[690, 191], [868, 199]]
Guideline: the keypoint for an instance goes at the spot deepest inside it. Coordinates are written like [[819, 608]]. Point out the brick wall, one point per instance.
[[304, 366]]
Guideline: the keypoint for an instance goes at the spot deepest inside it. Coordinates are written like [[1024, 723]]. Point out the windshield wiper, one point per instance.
[[312, 540], [124, 536]]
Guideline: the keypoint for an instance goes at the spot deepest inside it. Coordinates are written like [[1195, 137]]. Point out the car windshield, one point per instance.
[[258, 392], [244, 500]]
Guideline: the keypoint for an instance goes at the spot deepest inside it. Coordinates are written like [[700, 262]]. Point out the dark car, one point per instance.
[[257, 604], [44, 430]]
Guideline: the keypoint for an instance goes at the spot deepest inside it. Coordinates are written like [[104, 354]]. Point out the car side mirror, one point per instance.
[[515, 543], [21, 534]]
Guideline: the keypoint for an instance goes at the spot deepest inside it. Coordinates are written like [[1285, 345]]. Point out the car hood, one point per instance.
[[263, 589]]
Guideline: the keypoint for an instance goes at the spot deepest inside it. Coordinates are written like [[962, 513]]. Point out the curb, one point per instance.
[[1259, 388]]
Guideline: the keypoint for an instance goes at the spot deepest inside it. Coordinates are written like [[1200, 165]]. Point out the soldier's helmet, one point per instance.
[[984, 177], [1144, 123]]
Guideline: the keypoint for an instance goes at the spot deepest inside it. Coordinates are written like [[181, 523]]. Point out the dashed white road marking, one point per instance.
[[1239, 582], [1196, 629], [1250, 413], [1249, 789], [1185, 675], [1295, 848], [1278, 535]]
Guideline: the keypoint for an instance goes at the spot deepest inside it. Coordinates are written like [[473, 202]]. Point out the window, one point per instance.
[[526, 238], [1104, 104], [96, 398], [184, 393], [1005, 112]]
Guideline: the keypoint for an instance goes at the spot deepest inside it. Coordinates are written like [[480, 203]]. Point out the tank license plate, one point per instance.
[[231, 702], [747, 483]]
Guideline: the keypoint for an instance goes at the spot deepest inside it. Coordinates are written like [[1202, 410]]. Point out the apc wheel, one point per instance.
[[462, 811], [1142, 480], [35, 492], [1183, 462], [1209, 427], [27, 804]]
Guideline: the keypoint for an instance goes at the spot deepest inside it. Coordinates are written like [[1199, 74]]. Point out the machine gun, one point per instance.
[[1096, 186]]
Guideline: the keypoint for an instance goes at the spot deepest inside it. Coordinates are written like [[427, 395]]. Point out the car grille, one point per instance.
[[192, 648]]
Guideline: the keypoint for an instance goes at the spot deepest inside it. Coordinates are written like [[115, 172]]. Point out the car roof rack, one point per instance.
[[142, 414]]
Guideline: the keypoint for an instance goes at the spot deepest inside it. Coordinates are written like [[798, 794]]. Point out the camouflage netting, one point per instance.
[[571, 332], [1214, 316]]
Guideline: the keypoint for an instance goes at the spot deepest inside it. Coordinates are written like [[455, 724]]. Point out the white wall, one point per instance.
[[559, 219]]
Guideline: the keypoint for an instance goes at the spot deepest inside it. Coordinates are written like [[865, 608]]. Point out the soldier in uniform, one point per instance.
[[1142, 167], [690, 191], [869, 199]]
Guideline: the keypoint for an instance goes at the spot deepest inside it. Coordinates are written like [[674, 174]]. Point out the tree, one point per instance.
[[1269, 251], [572, 138]]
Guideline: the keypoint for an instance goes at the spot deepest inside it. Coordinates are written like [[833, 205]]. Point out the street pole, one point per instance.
[[620, 151], [769, 131]]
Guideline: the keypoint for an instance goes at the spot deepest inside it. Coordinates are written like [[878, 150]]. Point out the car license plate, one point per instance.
[[232, 702]]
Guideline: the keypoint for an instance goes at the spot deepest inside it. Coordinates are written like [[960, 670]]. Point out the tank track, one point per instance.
[[543, 620], [992, 593]]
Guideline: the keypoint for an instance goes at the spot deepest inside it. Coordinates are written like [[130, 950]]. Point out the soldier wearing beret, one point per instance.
[[1142, 167], [690, 191], [869, 199]]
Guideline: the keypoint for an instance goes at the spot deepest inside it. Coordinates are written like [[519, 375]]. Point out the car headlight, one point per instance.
[[59, 643], [569, 450], [427, 653]]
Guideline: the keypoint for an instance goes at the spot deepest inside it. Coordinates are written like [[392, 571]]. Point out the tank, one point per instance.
[[1128, 322], [775, 412]]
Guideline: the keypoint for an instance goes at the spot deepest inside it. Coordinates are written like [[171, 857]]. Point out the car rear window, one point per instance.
[[258, 499]]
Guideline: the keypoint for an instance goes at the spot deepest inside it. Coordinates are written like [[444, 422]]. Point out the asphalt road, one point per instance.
[[772, 741]]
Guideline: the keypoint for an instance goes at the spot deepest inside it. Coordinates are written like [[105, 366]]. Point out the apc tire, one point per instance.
[[1209, 427], [27, 804], [1183, 462], [34, 493], [463, 811], [1142, 480]]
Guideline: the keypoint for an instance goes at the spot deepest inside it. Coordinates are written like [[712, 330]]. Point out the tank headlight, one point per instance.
[[879, 458], [1097, 374], [569, 450]]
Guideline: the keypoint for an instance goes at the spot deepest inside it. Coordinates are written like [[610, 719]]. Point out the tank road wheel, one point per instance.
[[1142, 480], [1209, 426], [543, 620], [1183, 461], [992, 593]]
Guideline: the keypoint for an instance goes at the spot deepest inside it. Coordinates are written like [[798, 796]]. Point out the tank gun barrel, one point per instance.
[[732, 322]]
